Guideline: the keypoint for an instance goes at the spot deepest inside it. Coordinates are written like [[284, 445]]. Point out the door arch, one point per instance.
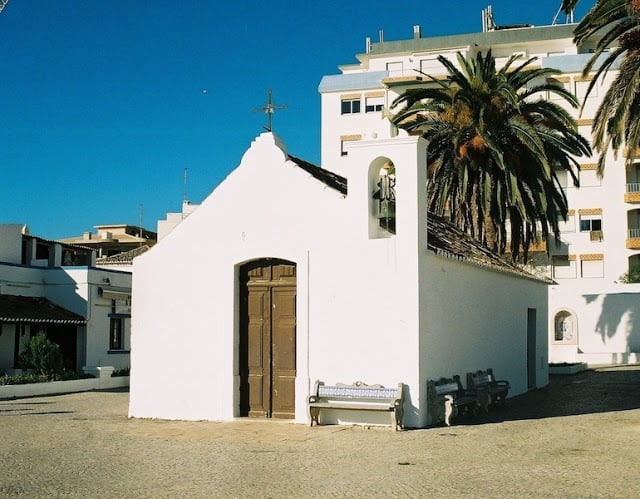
[[267, 353]]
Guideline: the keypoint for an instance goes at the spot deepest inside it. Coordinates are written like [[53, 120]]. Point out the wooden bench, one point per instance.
[[358, 396], [447, 399], [497, 389]]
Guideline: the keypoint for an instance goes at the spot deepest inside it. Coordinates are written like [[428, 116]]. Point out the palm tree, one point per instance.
[[495, 147], [616, 24]]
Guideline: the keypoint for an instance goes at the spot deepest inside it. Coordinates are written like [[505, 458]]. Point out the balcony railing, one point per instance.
[[633, 193], [633, 239], [596, 235]]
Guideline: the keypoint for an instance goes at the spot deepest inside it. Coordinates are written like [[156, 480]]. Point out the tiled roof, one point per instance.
[[331, 179], [35, 310], [447, 240], [123, 258]]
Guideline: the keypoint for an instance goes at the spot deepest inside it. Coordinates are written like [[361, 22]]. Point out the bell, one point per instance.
[[387, 209]]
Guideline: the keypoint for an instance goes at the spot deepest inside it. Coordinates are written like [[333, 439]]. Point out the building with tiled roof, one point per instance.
[[289, 273], [55, 288], [122, 261]]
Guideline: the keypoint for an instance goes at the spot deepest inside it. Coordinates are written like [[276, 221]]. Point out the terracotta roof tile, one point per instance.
[[447, 240], [330, 179], [35, 310], [123, 258]]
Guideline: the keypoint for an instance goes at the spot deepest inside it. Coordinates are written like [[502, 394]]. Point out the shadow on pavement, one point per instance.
[[588, 392]]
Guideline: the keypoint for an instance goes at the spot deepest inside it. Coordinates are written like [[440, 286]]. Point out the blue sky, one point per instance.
[[103, 104]]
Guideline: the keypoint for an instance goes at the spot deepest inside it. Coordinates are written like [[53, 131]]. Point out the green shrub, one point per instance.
[[43, 357], [22, 379], [633, 275]]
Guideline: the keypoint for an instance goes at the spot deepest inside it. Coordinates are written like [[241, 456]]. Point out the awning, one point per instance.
[[115, 293], [35, 310]]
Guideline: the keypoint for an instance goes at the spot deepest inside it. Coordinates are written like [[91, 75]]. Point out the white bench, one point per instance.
[[358, 396]]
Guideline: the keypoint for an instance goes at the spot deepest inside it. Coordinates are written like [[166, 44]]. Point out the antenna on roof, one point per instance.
[[184, 185], [488, 24], [569, 17], [141, 215]]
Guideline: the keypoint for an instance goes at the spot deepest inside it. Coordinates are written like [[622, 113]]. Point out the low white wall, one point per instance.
[[57, 387]]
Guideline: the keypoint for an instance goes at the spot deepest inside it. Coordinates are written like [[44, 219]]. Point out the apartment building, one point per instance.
[[594, 316]]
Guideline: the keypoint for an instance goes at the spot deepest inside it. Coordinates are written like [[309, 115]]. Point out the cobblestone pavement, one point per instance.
[[580, 437]]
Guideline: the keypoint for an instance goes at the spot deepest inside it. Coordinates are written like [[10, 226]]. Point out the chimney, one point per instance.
[[417, 32]]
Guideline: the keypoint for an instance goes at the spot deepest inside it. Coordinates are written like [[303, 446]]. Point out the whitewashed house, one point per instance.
[[52, 287], [288, 273]]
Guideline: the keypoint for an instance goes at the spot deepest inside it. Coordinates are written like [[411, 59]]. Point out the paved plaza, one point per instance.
[[580, 437]]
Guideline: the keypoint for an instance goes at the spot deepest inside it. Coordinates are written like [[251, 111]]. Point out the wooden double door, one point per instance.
[[267, 339]]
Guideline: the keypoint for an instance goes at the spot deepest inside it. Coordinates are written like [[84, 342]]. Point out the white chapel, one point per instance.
[[288, 273]]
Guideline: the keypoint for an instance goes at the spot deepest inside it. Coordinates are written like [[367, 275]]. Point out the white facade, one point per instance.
[[600, 241], [370, 305], [100, 296]]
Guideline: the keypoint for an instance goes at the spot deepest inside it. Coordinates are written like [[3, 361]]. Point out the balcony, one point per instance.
[[633, 239], [596, 236], [392, 81], [633, 193]]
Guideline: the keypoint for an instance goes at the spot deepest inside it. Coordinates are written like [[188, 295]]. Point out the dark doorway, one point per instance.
[[65, 336], [531, 348], [267, 338]]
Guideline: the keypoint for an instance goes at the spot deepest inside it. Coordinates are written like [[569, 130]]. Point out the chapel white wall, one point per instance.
[[476, 318]]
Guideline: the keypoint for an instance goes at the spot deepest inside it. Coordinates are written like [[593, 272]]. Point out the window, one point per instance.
[[559, 81], [564, 267], [563, 178], [570, 224], [592, 266], [581, 89], [588, 175], [430, 66], [350, 106], [589, 223], [395, 68], [373, 104], [115, 334]]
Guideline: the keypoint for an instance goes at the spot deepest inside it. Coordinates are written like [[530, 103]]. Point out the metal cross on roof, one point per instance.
[[269, 108]]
